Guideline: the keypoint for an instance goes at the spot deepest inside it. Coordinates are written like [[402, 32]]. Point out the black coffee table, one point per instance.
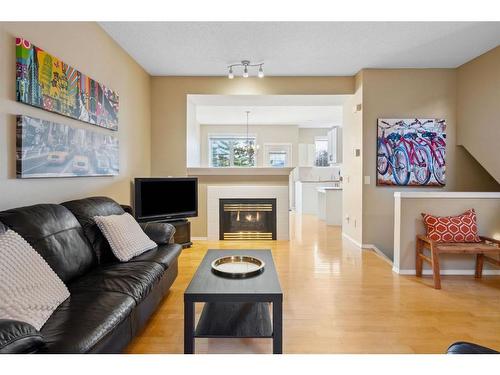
[[234, 307]]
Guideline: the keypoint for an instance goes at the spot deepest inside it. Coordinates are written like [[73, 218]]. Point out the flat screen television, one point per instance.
[[165, 198]]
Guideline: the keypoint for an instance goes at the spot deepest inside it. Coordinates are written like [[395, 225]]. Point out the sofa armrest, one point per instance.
[[462, 347], [19, 337], [161, 233], [128, 209]]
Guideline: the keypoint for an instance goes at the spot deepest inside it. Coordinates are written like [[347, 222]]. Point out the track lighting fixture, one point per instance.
[[245, 64]]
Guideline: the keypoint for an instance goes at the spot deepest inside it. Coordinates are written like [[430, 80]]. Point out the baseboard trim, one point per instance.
[[349, 238], [199, 238], [377, 251], [447, 272], [368, 246]]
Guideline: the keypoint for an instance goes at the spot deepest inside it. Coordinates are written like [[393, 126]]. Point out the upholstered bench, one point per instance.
[[483, 251]]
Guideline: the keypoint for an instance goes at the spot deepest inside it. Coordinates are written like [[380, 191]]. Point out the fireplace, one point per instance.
[[247, 219]]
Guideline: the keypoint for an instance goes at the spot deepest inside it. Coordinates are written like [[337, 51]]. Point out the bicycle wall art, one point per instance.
[[411, 152]]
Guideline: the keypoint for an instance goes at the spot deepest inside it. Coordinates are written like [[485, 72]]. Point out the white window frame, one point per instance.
[[320, 138], [225, 136], [286, 147]]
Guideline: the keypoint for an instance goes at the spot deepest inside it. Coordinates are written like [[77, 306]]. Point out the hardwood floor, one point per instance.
[[339, 299]]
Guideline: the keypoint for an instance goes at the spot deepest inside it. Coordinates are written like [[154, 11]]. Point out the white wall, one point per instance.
[[352, 166], [193, 151]]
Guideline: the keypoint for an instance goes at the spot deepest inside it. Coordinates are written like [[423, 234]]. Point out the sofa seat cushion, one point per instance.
[[164, 255], [135, 279], [84, 319]]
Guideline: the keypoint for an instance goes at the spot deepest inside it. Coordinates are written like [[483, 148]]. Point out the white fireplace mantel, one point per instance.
[[216, 192]]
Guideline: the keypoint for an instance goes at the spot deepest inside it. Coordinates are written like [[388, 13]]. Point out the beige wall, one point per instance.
[[168, 111], [88, 48], [408, 93], [263, 133], [352, 166], [488, 222], [478, 109], [168, 115]]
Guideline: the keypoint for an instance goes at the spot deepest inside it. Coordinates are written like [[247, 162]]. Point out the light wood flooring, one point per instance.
[[339, 299]]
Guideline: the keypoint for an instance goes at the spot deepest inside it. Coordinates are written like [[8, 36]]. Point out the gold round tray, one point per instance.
[[237, 266]]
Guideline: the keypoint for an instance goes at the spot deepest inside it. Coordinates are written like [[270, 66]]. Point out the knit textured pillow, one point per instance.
[[461, 228], [30, 290], [125, 236]]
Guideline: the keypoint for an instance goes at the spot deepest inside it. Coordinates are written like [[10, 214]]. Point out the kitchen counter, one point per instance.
[[330, 204]]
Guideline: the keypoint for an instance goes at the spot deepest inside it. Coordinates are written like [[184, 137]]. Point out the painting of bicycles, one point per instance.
[[411, 152]]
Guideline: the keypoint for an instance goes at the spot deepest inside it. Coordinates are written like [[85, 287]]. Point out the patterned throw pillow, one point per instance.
[[461, 228], [30, 290], [125, 236]]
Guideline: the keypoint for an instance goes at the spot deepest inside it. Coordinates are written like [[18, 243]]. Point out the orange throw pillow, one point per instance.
[[461, 228]]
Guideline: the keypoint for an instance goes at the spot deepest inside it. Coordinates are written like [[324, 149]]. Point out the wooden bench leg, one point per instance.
[[436, 272], [479, 265], [418, 259]]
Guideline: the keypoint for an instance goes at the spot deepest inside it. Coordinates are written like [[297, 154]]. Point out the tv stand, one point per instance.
[[182, 234]]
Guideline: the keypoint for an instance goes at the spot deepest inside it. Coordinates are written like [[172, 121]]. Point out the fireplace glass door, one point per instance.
[[247, 219]]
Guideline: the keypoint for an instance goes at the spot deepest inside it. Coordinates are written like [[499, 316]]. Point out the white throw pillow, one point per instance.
[[30, 290], [125, 236]]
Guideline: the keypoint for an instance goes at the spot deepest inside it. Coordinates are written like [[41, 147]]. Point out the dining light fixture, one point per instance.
[[245, 64]]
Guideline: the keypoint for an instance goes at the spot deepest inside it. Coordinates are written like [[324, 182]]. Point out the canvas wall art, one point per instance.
[[49, 149], [44, 81], [411, 152]]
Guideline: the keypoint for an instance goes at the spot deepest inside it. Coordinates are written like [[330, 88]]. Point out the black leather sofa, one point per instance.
[[462, 347], [110, 301]]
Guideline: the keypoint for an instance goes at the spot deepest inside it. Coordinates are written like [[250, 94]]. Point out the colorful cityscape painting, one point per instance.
[[44, 81], [49, 149], [411, 152]]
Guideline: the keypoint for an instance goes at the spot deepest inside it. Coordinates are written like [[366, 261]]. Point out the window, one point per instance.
[[232, 151], [278, 159], [277, 155], [321, 152]]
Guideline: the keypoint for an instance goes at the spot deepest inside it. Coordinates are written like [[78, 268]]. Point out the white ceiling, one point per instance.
[[301, 48], [306, 111]]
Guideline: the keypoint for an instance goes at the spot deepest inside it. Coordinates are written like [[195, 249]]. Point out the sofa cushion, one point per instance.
[[163, 254], [56, 235], [460, 228], [126, 238], [85, 210], [84, 319], [134, 279], [30, 290]]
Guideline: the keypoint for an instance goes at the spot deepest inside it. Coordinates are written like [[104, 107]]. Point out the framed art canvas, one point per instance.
[[49, 149], [44, 81], [411, 152]]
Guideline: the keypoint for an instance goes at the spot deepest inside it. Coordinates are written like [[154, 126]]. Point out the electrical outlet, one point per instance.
[[354, 223], [367, 180]]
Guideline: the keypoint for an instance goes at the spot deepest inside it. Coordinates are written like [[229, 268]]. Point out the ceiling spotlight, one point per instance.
[[245, 64], [260, 74]]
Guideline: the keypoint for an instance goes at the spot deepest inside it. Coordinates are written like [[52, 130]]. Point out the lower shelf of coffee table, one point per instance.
[[232, 319]]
